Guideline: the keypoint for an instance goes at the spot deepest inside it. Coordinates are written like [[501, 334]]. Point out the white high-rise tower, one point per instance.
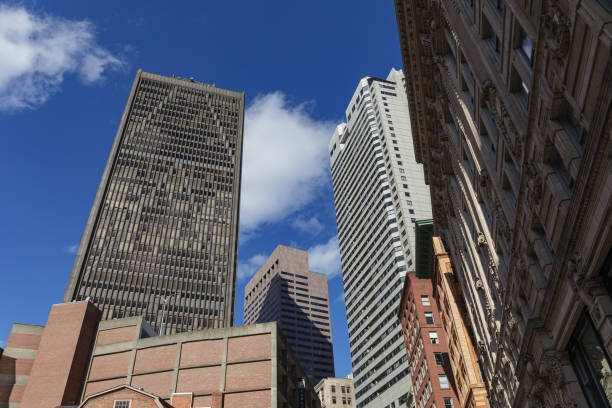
[[379, 193]]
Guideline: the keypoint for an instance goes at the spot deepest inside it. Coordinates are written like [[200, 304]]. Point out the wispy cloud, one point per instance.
[[36, 51], [325, 258], [72, 249], [311, 226], [248, 268], [285, 160]]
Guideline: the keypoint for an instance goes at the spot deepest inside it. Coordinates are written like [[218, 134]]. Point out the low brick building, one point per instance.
[[76, 358], [125, 396]]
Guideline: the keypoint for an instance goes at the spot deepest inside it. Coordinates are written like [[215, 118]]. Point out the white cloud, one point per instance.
[[311, 226], [285, 160], [248, 268], [72, 249], [36, 51], [325, 258]]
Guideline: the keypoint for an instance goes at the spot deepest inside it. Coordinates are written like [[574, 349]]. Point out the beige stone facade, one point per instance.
[[336, 393], [470, 388], [510, 104]]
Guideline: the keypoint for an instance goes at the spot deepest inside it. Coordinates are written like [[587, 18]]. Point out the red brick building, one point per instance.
[[426, 345], [130, 397], [78, 359]]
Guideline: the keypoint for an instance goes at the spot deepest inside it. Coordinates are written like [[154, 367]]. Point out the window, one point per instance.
[[333, 400], [122, 403], [429, 317], [591, 363], [524, 45], [520, 89], [572, 126], [607, 4], [498, 5], [433, 336], [439, 358], [443, 381], [425, 300], [492, 39], [333, 388], [448, 402]]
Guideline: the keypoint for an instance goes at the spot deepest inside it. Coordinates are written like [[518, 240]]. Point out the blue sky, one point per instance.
[[66, 68]]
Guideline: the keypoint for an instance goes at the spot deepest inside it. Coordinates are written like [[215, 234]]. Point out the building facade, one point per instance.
[[379, 194], [162, 236], [433, 384], [79, 360], [510, 104], [469, 387], [336, 393], [285, 291]]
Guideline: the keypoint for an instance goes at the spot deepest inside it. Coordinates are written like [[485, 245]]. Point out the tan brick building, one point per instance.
[[469, 387], [76, 358], [510, 104], [336, 393]]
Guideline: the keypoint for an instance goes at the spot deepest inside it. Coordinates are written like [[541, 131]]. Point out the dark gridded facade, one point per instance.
[[283, 290], [164, 224]]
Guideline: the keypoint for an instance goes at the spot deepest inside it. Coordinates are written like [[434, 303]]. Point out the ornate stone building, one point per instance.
[[510, 104]]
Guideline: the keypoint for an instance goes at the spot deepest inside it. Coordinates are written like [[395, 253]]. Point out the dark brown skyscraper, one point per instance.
[[162, 236]]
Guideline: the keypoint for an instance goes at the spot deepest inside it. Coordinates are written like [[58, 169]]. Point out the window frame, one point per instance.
[[129, 401]]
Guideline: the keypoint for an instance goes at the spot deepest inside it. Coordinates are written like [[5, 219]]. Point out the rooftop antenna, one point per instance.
[[165, 301]]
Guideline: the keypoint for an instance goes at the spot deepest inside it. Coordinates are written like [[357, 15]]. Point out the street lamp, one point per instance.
[[164, 300]]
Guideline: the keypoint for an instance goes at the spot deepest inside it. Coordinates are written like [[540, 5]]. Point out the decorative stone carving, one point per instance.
[[481, 348], [482, 241], [558, 31], [587, 288], [479, 285], [502, 118], [484, 177], [535, 183], [549, 383]]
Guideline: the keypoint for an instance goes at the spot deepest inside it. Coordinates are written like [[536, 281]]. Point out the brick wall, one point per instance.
[[17, 360], [62, 357]]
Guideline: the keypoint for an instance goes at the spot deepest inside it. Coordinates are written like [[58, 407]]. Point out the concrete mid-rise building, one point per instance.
[[162, 236], [336, 393], [511, 109], [285, 291], [78, 360], [379, 194]]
